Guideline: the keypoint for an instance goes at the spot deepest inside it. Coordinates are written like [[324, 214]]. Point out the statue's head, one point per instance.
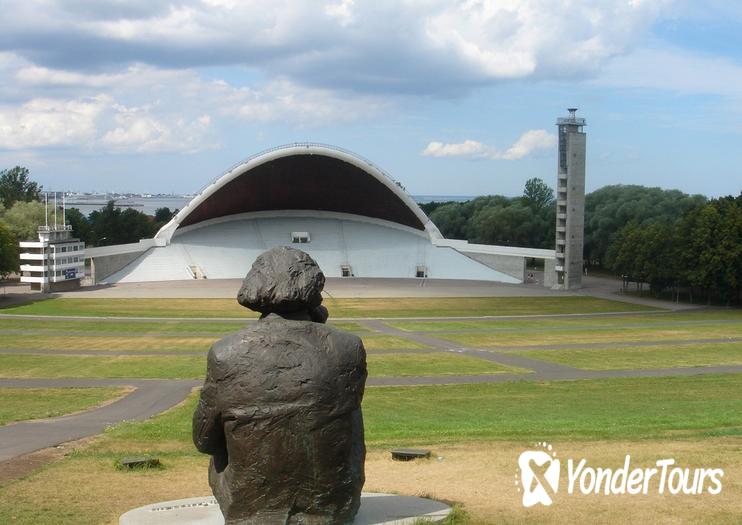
[[284, 280]]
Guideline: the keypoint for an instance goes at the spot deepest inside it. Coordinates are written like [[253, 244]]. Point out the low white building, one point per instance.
[[55, 262], [348, 214]]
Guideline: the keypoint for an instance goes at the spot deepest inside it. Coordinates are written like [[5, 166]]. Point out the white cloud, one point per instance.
[[48, 122], [282, 100], [468, 148], [529, 142], [342, 11], [100, 123], [137, 130], [145, 109], [425, 46]]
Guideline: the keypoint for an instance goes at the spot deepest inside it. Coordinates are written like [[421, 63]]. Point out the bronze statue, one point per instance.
[[280, 410]]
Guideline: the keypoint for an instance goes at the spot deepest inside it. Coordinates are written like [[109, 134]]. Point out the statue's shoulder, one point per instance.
[[346, 346], [239, 341], [345, 337]]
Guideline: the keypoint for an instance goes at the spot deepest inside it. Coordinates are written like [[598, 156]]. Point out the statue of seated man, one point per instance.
[[280, 410]]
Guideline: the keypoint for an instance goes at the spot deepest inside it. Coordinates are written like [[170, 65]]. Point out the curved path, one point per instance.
[[150, 397]]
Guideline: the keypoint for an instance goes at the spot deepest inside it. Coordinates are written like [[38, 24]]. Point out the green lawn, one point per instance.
[[631, 408], [113, 343], [87, 307], [558, 337], [390, 342], [18, 404], [165, 327], [639, 408], [339, 308], [438, 364], [523, 410], [612, 322], [193, 367], [76, 366], [660, 356]]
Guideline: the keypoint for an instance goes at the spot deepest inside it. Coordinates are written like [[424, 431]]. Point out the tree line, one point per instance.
[[113, 225], [698, 253], [675, 242], [527, 220], [22, 212]]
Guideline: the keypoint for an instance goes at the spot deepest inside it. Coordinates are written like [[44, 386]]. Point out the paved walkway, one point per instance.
[[149, 398]]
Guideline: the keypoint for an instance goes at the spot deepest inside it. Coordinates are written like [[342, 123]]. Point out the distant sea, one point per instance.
[[148, 205]]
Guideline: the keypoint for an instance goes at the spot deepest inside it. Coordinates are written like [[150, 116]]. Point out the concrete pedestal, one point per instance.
[[376, 509]]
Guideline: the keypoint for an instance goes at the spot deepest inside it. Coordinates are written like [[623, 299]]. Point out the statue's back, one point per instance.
[[289, 395]]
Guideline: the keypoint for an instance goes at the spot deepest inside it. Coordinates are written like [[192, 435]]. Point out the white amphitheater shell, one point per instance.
[[348, 214]]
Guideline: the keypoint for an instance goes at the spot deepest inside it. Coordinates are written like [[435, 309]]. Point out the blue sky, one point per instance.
[[450, 98]]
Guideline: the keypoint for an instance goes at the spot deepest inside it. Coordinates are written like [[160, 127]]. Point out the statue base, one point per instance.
[[376, 509]]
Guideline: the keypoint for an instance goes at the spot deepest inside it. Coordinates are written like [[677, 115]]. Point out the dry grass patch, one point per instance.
[[90, 491], [115, 342], [145, 367], [366, 307], [481, 477], [83, 490], [434, 364], [390, 342], [525, 338]]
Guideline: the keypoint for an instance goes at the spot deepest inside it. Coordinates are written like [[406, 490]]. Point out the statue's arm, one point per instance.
[[362, 369], [208, 432]]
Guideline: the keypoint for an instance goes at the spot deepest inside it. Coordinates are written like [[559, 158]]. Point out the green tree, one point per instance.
[[712, 256], [15, 185], [163, 215], [504, 225], [450, 220], [610, 208], [23, 219], [110, 225], [8, 252], [80, 225], [537, 194]]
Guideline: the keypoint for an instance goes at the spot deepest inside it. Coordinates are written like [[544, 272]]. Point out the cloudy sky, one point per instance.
[[451, 98]]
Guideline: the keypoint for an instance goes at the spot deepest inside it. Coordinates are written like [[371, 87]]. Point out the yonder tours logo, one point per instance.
[[539, 475]]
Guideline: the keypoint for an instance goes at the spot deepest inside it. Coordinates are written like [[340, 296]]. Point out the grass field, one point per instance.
[[620, 322], [573, 415], [216, 328], [692, 407], [339, 308], [477, 430], [83, 366], [194, 367], [19, 404], [639, 408], [118, 342], [660, 356], [390, 342], [498, 339], [402, 365]]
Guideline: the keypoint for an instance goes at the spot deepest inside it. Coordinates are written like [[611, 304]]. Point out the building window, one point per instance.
[[421, 272], [346, 270], [64, 248], [300, 237]]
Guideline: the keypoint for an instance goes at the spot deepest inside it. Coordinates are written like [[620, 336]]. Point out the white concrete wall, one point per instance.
[[227, 248]]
